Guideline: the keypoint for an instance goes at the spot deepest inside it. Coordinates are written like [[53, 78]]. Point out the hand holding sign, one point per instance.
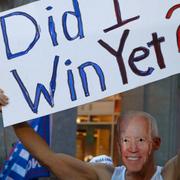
[[3, 99]]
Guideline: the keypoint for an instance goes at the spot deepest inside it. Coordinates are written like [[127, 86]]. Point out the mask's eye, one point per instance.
[[141, 140], [125, 140]]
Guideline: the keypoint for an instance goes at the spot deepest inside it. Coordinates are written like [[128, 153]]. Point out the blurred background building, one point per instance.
[[89, 130]]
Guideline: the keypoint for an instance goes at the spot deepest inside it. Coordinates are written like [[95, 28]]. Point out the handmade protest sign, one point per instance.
[[57, 55]]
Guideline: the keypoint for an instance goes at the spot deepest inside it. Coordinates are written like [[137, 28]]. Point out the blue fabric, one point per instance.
[[20, 164]]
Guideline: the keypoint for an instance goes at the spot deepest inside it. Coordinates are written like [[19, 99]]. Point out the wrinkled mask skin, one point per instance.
[[136, 144]]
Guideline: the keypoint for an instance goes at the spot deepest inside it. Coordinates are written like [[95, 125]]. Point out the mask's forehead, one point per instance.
[[137, 126]]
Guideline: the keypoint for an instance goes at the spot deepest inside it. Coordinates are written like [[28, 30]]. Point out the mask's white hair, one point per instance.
[[146, 116]]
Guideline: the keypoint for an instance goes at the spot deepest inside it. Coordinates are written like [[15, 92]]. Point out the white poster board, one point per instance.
[[56, 55]]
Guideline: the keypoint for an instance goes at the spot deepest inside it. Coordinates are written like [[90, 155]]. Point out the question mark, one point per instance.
[[168, 16]]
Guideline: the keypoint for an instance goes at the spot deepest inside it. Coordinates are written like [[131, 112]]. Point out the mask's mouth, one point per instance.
[[133, 158]]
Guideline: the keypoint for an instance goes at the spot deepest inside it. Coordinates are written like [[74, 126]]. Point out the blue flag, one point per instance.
[[20, 164]]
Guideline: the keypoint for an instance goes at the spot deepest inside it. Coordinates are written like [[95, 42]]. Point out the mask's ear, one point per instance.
[[156, 143]]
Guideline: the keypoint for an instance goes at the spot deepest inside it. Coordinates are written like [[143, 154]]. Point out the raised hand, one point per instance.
[[3, 99]]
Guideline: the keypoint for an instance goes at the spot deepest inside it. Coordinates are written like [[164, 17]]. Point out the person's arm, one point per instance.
[[62, 166], [178, 166], [171, 169]]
